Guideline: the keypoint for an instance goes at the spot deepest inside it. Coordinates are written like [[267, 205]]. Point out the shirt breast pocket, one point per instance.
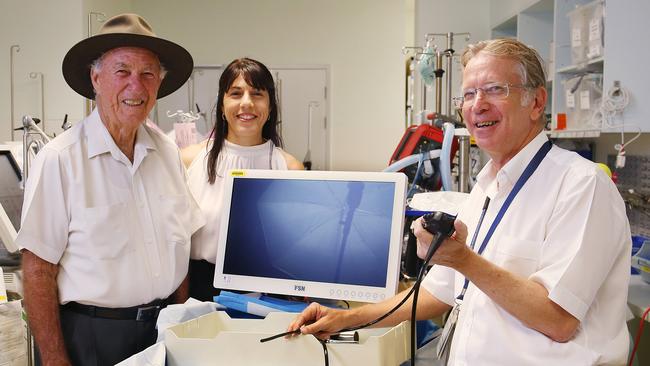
[[106, 231], [517, 255], [175, 218]]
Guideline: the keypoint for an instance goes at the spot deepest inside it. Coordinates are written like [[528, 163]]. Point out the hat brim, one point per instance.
[[76, 64]]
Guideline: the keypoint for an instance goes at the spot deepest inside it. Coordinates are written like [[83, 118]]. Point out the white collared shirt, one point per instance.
[[566, 229], [210, 196], [119, 231]]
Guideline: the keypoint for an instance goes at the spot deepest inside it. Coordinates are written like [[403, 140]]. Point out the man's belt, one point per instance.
[[146, 312]]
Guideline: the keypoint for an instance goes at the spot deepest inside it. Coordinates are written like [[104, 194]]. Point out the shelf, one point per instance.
[[507, 29], [573, 134], [595, 65]]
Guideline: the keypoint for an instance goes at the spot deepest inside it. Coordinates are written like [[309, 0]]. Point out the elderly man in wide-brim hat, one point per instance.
[[107, 216]]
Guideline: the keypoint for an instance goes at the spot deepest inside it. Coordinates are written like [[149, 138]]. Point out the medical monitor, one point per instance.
[[319, 234], [11, 201]]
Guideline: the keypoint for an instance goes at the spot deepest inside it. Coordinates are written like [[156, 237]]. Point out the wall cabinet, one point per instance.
[[627, 56], [547, 26]]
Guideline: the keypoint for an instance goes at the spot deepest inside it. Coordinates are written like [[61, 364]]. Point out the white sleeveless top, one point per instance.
[[210, 196]]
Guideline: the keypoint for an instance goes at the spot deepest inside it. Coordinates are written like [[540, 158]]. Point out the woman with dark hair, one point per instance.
[[246, 136]]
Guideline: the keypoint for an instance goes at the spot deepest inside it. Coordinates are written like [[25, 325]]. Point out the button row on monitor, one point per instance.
[[361, 295]]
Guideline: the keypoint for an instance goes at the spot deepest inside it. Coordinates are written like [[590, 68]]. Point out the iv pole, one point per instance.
[[101, 17], [41, 77], [449, 55], [410, 89], [11, 83], [463, 139]]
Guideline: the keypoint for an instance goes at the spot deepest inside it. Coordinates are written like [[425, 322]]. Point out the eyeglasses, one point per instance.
[[491, 92]]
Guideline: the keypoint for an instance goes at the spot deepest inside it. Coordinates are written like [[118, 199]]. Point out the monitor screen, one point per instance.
[[11, 200], [335, 235]]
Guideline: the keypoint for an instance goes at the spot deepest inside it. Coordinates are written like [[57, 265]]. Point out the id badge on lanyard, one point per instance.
[[444, 344]]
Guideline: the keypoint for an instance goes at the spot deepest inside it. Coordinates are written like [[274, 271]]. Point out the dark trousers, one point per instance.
[[201, 279], [92, 341]]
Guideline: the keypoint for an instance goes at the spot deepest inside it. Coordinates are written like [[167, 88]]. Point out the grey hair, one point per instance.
[[529, 62], [96, 65]]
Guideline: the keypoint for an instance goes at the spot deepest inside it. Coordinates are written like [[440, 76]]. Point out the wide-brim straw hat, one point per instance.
[[126, 30]]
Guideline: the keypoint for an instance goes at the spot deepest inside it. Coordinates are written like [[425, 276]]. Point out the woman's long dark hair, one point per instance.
[[259, 77]]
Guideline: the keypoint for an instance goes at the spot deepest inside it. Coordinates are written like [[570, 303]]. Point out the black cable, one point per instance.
[[391, 311], [432, 249], [297, 331], [435, 244], [324, 344]]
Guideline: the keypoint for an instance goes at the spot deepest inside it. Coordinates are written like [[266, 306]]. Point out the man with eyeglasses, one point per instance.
[[537, 271]]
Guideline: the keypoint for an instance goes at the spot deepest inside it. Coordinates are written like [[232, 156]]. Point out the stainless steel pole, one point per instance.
[[450, 55], [11, 86], [438, 84], [463, 164]]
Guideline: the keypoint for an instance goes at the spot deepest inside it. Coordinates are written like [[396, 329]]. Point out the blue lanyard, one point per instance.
[[530, 169]]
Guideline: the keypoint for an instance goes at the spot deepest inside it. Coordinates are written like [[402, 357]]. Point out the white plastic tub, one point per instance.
[[217, 339]]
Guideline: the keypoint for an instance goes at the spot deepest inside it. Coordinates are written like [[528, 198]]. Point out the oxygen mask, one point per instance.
[[427, 65]]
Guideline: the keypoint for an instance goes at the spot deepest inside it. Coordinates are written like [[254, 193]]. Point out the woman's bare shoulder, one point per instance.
[[190, 152], [292, 163]]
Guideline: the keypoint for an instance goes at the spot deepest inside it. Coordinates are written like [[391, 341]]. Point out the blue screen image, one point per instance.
[[310, 230]]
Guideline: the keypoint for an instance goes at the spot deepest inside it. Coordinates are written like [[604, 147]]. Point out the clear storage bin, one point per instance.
[[583, 95], [594, 14], [586, 27], [578, 35]]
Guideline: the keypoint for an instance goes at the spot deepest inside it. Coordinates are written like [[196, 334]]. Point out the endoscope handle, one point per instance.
[[441, 225]]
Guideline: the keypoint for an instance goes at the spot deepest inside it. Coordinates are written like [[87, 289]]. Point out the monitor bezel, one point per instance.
[[313, 289], [12, 162], [8, 232]]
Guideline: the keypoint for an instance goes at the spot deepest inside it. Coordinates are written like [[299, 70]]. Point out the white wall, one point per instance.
[[409, 25], [44, 30], [360, 40], [108, 7]]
